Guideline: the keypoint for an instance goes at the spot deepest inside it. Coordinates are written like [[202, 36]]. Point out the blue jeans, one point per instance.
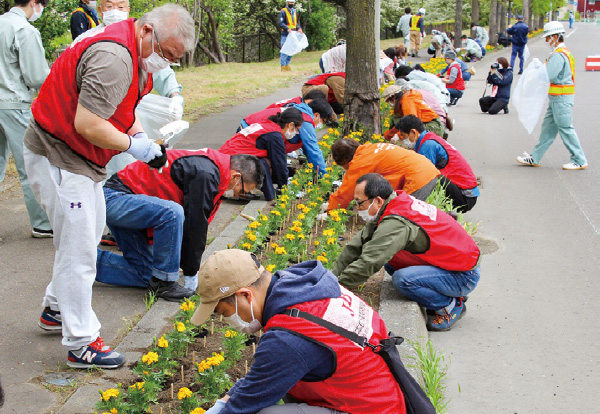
[[455, 95], [128, 217], [466, 76], [284, 60], [432, 287], [517, 50]]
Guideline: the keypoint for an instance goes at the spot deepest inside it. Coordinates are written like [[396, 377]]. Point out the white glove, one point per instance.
[[219, 404], [322, 216], [140, 134], [191, 282], [143, 148], [395, 139], [324, 207], [176, 106]]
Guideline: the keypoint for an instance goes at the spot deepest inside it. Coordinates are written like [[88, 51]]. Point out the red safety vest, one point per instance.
[[142, 179], [320, 79], [263, 116], [284, 102], [457, 170], [459, 82], [564, 89], [362, 383], [244, 142], [55, 107], [450, 246]]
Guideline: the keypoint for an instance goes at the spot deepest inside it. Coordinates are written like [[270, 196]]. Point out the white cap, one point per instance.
[[422, 10]]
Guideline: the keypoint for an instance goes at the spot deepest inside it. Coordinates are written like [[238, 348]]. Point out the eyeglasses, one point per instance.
[[162, 55], [359, 203]]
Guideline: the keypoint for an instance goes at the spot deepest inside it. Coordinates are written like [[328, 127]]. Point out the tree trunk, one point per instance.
[[502, 17], [458, 22], [361, 98], [540, 23], [493, 32], [525, 11], [474, 11], [217, 55], [529, 20]]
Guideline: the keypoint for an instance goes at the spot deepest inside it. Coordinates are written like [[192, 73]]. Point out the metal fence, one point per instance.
[[259, 47]]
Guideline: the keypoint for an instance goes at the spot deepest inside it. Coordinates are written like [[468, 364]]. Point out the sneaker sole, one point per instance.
[[575, 169], [36, 235], [50, 328], [108, 243], [526, 163], [88, 366]]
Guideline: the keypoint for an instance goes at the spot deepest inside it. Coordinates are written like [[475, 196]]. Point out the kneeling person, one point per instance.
[[173, 206], [306, 350], [458, 179], [432, 259]]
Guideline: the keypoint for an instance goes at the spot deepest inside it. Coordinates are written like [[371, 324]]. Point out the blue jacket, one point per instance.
[[282, 358], [519, 33], [503, 80], [283, 23], [310, 142]]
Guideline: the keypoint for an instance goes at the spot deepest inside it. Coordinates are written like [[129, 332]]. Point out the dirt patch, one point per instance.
[[486, 245]]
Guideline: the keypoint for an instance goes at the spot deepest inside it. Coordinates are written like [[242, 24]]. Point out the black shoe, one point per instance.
[[506, 110], [520, 72], [169, 291], [41, 234]]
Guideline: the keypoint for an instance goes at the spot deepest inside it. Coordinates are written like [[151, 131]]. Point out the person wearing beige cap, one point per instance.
[[318, 343]]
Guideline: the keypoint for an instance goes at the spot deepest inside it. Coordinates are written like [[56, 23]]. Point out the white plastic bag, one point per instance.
[[531, 94], [294, 44], [155, 112], [526, 54]]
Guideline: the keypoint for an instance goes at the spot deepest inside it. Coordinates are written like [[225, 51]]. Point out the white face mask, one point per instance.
[[36, 14], [289, 134], [237, 323], [229, 193], [364, 214], [92, 4], [113, 16], [319, 125], [153, 63], [407, 143], [550, 44]]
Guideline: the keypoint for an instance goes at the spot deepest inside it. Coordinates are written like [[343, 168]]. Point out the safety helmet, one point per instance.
[[422, 11], [290, 1], [552, 28]]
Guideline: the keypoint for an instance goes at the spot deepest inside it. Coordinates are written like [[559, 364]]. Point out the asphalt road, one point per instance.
[[529, 342]]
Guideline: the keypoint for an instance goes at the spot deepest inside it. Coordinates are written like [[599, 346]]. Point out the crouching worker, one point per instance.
[[176, 204], [458, 179], [431, 258], [321, 345], [266, 141]]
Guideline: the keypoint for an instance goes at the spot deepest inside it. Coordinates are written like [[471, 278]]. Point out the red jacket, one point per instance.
[[244, 142], [263, 116], [362, 381], [320, 79], [142, 179], [55, 107], [450, 246], [459, 82], [279, 104], [457, 169]]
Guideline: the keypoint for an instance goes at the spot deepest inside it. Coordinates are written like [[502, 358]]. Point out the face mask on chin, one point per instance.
[[237, 323], [289, 134], [153, 63], [229, 193], [407, 143], [364, 214], [36, 14], [113, 16]]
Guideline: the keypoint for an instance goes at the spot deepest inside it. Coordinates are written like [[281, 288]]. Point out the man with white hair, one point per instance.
[[83, 115]]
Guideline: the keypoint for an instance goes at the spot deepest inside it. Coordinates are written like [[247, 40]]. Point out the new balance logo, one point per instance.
[[89, 356], [78, 205]]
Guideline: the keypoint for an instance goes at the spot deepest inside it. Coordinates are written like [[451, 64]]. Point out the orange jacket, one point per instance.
[[404, 169], [413, 104]]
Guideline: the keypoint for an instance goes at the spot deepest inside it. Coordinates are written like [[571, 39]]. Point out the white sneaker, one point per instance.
[[574, 166], [527, 159]]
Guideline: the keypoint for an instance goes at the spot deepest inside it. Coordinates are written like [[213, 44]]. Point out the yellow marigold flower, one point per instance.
[[162, 342], [313, 204], [150, 357], [275, 213], [317, 243], [290, 236], [138, 385], [252, 237], [301, 236], [330, 240], [297, 229], [230, 334], [198, 410], [328, 232], [270, 268], [263, 217], [109, 393], [184, 393], [296, 222], [284, 197], [295, 182], [280, 250], [180, 327], [322, 259], [336, 218], [114, 411], [274, 245], [247, 246], [307, 210], [326, 176], [254, 225], [301, 206], [301, 216], [203, 366]]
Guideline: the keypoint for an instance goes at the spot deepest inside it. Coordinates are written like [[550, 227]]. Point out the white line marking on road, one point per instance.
[[577, 202], [572, 32]]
